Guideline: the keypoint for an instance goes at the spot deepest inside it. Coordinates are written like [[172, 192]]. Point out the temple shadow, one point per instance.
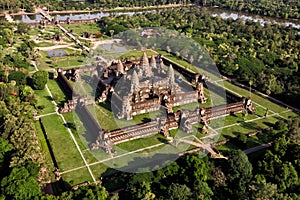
[[145, 120], [163, 140], [146, 164], [105, 105], [58, 187]]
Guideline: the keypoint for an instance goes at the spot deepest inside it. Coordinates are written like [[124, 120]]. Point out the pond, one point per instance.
[[56, 53]]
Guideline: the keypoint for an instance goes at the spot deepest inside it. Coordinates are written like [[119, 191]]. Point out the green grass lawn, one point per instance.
[[141, 143], [136, 54], [187, 65], [44, 44], [65, 152], [255, 97], [57, 94], [79, 29], [65, 62], [45, 149], [108, 121], [77, 177], [99, 169], [43, 99], [78, 131]]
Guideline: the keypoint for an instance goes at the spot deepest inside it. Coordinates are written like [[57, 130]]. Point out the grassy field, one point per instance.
[[79, 29], [73, 59], [136, 54], [43, 99], [108, 121], [58, 95], [45, 149], [188, 66], [44, 44], [77, 177], [255, 97], [66, 154]]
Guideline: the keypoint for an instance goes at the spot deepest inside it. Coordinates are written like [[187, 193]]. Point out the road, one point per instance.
[[258, 148]]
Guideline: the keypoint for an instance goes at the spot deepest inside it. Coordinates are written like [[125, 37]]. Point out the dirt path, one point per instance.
[[97, 43], [55, 47]]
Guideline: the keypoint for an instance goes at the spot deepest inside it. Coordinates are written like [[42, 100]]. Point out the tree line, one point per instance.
[[280, 9], [265, 56]]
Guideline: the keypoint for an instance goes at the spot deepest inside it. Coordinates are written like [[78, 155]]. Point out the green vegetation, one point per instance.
[[66, 154], [104, 115], [39, 80], [58, 95], [44, 103], [281, 9], [136, 54], [79, 29], [77, 177], [230, 178], [73, 59]]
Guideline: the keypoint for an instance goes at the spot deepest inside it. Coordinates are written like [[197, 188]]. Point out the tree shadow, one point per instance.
[[58, 187], [268, 124], [48, 98], [146, 164], [250, 125], [145, 120], [70, 125]]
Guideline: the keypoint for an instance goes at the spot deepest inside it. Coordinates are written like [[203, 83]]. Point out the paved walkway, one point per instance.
[[257, 148]]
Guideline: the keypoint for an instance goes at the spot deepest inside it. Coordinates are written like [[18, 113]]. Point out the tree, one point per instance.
[[242, 139], [239, 172], [178, 192], [5, 147], [264, 191], [193, 168], [17, 76], [139, 185], [90, 192], [39, 80], [22, 28], [19, 184], [287, 177]]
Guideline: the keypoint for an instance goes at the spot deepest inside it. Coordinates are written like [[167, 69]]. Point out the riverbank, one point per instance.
[[117, 9]]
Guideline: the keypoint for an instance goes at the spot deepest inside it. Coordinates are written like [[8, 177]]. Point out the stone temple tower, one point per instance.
[[145, 66], [153, 62], [171, 79], [134, 82]]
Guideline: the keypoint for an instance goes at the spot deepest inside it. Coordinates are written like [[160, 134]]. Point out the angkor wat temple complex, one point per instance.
[[134, 87], [137, 87]]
